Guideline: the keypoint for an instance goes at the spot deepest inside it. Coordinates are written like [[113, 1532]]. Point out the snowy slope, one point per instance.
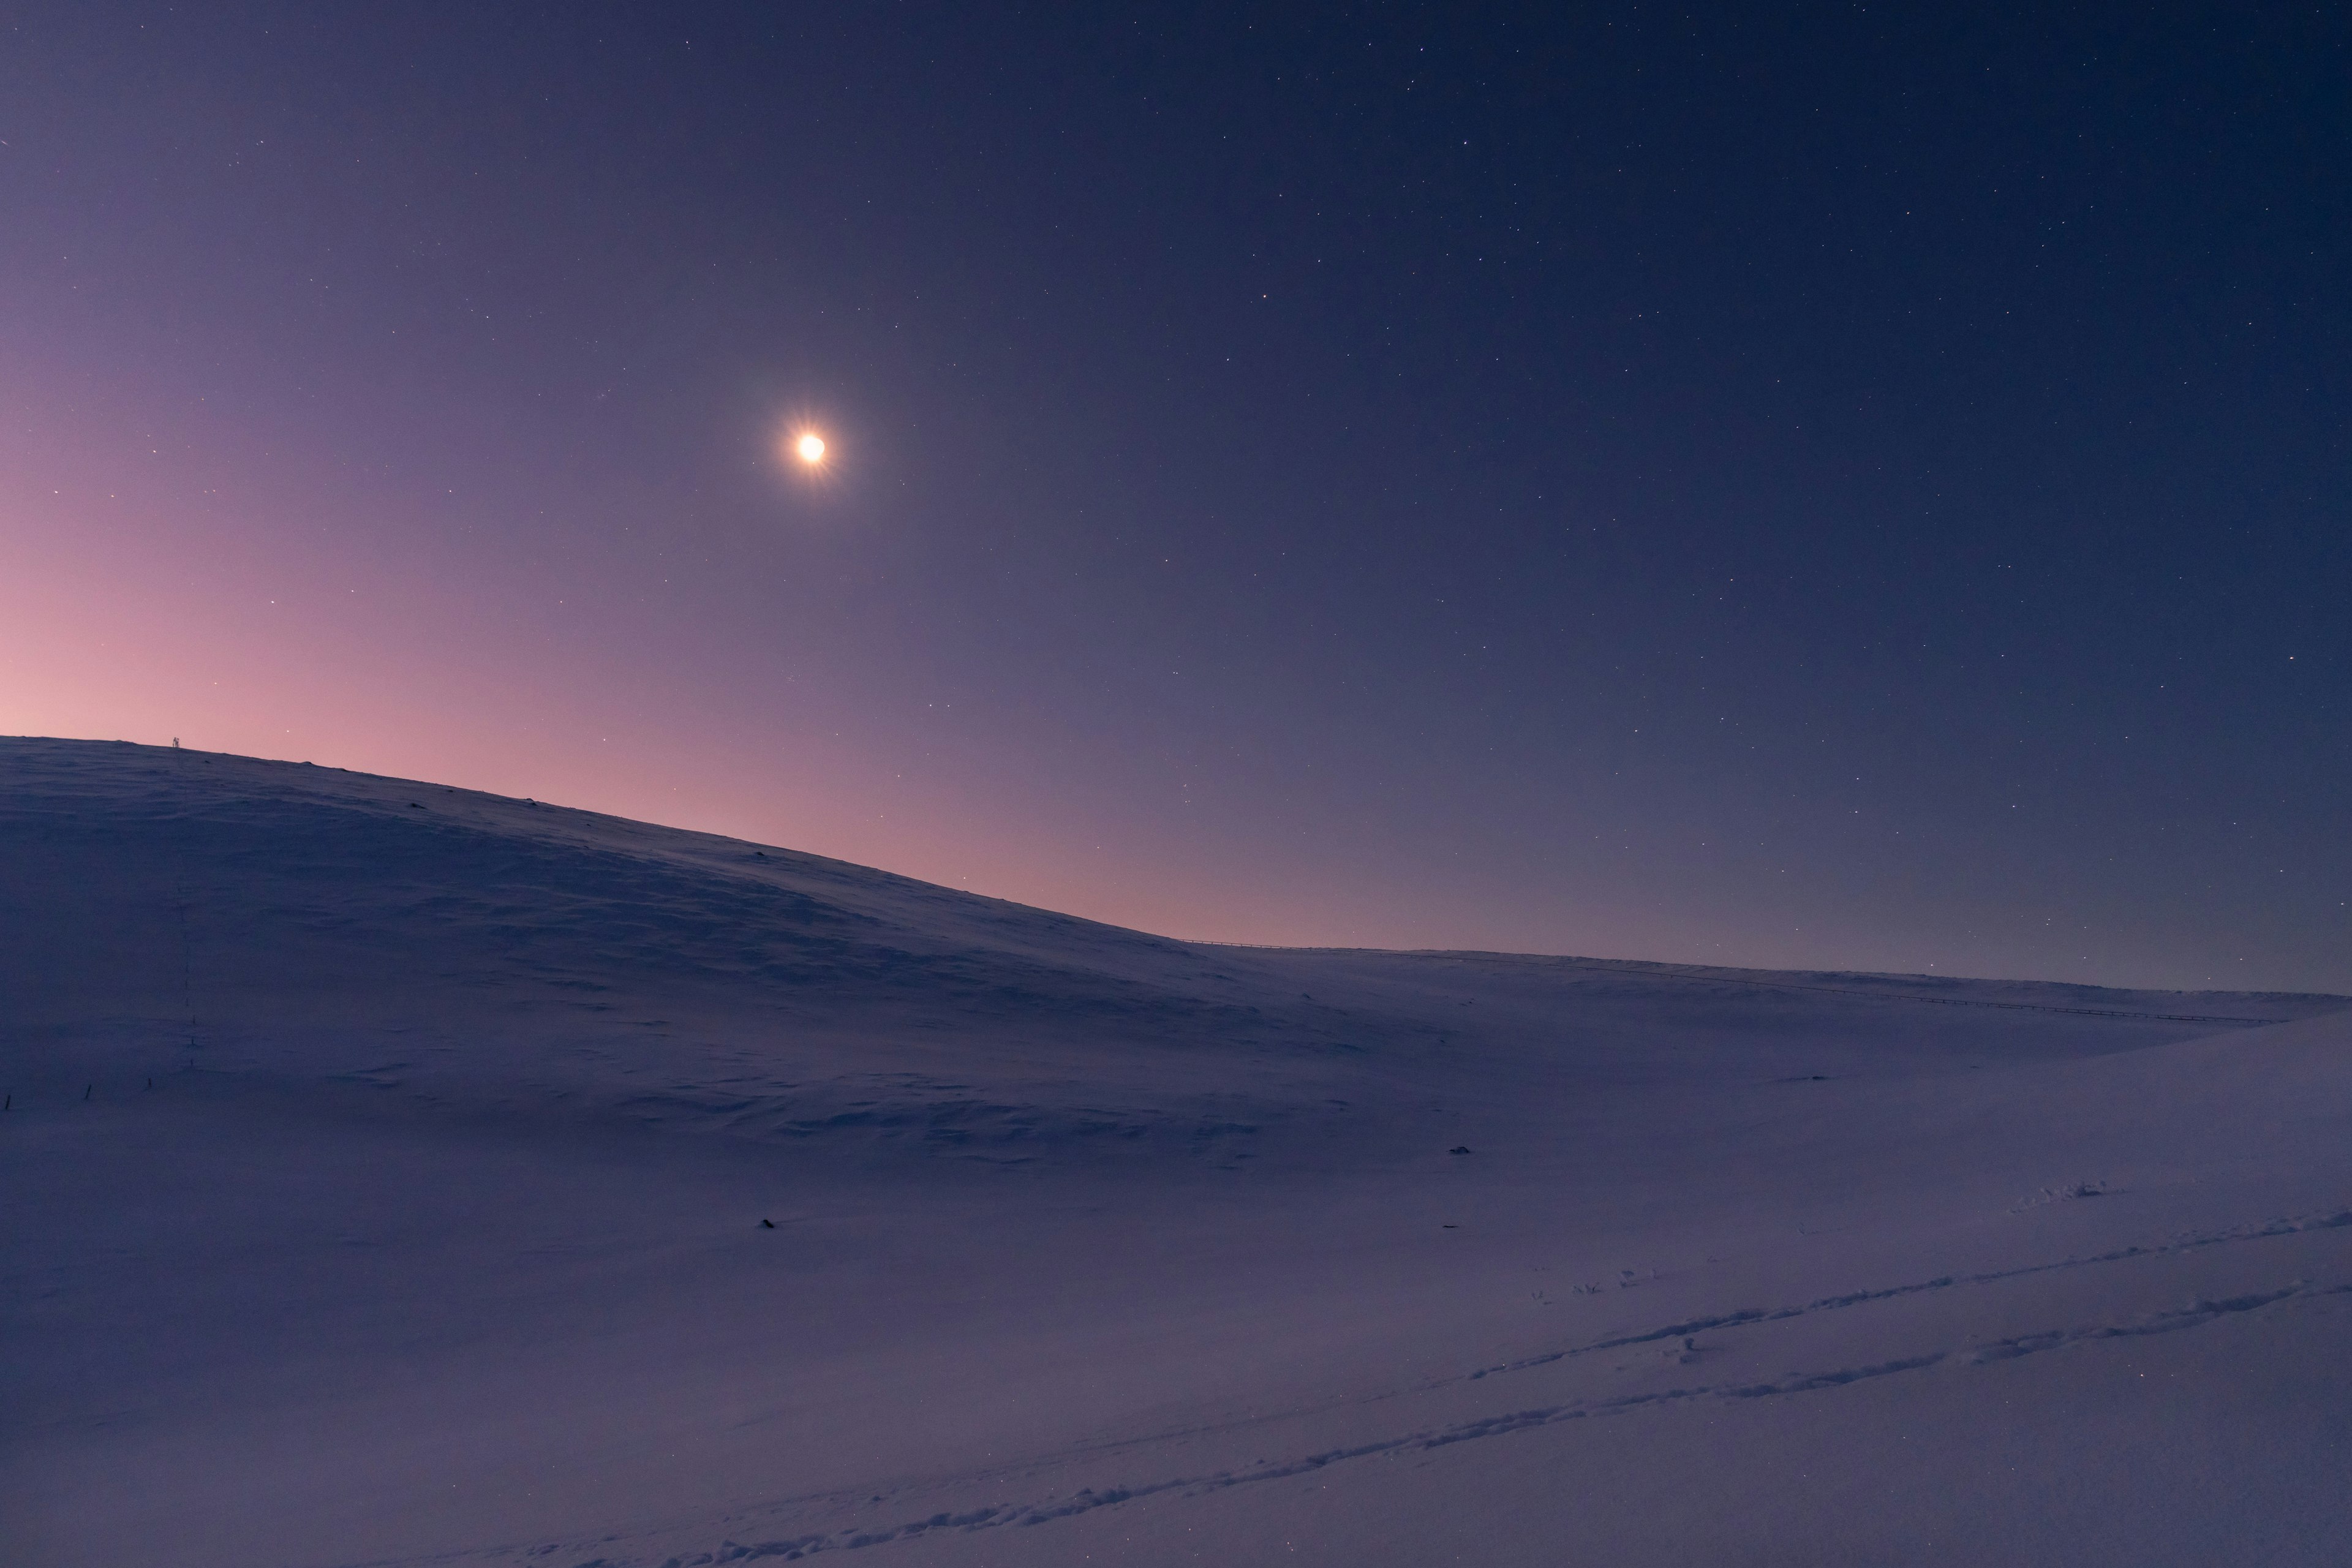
[[437, 1236]]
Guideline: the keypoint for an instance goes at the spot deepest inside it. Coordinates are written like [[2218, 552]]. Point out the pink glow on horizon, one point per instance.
[[171, 582]]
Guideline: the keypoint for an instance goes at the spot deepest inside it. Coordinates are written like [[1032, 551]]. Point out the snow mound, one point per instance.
[[402, 1174]]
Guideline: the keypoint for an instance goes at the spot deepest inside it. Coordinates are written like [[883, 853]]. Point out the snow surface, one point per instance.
[[437, 1237]]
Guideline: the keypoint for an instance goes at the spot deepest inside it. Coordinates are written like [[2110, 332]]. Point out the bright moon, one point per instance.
[[811, 448]]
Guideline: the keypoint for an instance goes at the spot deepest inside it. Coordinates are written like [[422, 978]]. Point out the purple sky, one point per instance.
[[1860, 493]]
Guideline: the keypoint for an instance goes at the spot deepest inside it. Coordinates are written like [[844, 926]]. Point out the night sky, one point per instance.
[[1800, 485]]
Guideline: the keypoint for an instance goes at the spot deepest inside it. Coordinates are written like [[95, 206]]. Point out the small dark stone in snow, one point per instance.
[[413, 806], [767, 1225], [1459, 1149]]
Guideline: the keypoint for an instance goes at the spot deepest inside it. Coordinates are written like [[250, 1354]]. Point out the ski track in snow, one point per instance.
[[1052, 1509], [1745, 1316]]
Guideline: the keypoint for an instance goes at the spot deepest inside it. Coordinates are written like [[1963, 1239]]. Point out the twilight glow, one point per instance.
[[1730, 601]]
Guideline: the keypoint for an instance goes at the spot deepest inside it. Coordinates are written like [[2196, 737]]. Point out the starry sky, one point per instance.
[[1798, 485]]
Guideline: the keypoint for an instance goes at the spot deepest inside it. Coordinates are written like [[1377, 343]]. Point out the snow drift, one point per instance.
[[398, 1174]]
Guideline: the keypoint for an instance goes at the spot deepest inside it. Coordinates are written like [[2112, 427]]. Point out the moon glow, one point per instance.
[[809, 447]]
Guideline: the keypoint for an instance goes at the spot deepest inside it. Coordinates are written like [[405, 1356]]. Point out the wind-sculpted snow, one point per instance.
[[398, 1174]]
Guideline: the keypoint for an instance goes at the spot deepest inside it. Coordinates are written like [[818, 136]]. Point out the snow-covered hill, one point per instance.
[[396, 1173]]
